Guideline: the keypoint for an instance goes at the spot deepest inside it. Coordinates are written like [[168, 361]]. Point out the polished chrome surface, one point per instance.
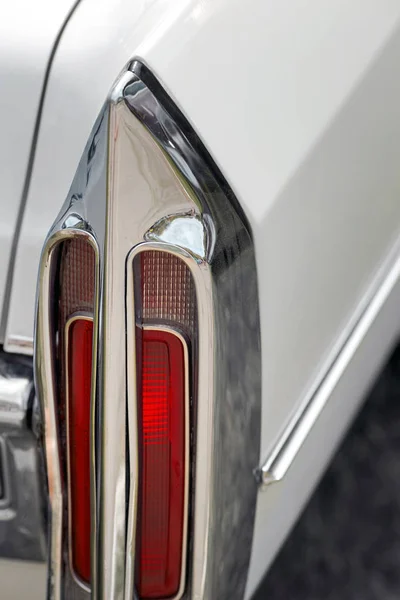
[[45, 384], [22, 499], [84, 214], [60, 581], [146, 181]]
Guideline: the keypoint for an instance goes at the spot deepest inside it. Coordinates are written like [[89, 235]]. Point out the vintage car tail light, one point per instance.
[[73, 348], [165, 334], [147, 363]]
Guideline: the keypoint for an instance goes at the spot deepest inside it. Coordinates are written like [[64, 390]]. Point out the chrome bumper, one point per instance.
[[22, 480]]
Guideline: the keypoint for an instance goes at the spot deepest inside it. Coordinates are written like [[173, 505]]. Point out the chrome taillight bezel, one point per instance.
[[191, 354], [47, 388], [145, 181]]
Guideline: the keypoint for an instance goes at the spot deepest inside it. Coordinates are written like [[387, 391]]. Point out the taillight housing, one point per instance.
[[166, 342], [147, 363], [73, 358]]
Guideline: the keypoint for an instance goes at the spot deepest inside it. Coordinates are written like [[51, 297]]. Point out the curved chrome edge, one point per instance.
[[44, 383], [45, 387], [284, 454], [5, 481], [85, 212], [131, 411]]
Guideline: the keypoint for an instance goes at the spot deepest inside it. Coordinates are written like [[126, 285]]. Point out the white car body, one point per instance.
[[298, 106]]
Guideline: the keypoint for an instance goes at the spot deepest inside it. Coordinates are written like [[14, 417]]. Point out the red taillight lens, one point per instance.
[[79, 371], [166, 342], [162, 464], [74, 339]]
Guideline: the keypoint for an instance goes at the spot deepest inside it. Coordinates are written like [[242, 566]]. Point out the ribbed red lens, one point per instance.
[[161, 464], [80, 335]]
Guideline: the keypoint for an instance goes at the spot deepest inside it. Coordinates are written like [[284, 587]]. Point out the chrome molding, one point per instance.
[[145, 181], [284, 453], [45, 383], [4, 477], [19, 344]]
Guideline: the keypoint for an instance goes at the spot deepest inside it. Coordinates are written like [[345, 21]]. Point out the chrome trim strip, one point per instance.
[[46, 390], [19, 344], [131, 410], [213, 237], [284, 453], [71, 320], [5, 480]]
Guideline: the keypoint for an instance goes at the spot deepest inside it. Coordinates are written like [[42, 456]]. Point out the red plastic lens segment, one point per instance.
[[79, 373], [162, 464]]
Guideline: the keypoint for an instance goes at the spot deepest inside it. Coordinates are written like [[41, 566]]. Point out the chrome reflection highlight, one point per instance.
[[185, 231]]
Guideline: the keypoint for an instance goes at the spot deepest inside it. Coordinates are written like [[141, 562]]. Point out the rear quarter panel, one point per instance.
[[299, 108], [26, 41]]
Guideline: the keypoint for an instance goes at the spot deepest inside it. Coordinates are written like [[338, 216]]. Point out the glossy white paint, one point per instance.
[[21, 580], [299, 107], [344, 389], [27, 33]]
